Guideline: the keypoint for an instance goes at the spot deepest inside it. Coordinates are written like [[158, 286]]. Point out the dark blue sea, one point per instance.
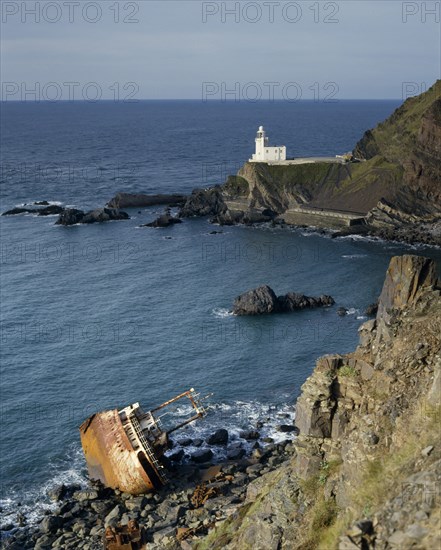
[[101, 316]]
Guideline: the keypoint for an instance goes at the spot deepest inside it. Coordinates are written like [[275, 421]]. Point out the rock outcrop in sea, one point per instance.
[[72, 216], [38, 208], [164, 220], [263, 300]]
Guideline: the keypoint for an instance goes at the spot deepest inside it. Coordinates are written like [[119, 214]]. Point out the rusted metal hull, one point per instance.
[[124, 448], [111, 458]]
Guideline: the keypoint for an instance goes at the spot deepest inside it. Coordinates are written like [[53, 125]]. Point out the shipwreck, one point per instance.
[[124, 448]]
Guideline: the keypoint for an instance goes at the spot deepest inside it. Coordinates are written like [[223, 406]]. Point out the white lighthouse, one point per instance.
[[265, 153]]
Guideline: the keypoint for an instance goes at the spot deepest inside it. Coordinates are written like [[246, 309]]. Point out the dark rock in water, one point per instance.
[[287, 428], [250, 434], [197, 442], [236, 453], [72, 216], [176, 456], [372, 309], [131, 200], [220, 437], [41, 203], [49, 210], [259, 301], [17, 210], [294, 300], [165, 220], [215, 232], [342, 311], [185, 442], [263, 300], [203, 455], [204, 202], [104, 215]]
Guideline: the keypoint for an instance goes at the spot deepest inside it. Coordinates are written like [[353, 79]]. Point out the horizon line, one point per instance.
[[201, 100]]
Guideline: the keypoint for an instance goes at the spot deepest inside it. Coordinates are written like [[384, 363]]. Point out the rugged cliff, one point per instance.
[[395, 182], [367, 468]]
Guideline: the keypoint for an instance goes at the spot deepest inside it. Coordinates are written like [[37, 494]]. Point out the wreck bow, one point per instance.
[[124, 448]]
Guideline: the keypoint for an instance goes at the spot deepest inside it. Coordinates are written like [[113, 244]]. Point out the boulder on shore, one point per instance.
[[72, 216], [219, 437], [129, 200], [263, 300]]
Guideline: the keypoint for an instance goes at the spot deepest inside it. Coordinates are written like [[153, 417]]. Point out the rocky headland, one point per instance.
[[363, 470], [390, 189]]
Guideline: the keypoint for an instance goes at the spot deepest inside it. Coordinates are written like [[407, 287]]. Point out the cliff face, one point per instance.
[[411, 138], [367, 470]]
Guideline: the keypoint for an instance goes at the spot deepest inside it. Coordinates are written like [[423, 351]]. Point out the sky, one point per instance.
[[243, 51]]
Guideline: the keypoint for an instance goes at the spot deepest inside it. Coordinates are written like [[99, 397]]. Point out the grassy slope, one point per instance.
[[396, 136]]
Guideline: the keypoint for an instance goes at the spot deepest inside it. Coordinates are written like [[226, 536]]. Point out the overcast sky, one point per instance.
[[215, 50]]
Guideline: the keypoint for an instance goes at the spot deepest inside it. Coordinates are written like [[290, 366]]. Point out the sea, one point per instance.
[[100, 316]]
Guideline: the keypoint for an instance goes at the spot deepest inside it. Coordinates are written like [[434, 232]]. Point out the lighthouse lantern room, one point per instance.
[[265, 153]]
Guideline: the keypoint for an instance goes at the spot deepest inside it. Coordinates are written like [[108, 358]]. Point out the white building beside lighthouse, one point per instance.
[[265, 153]]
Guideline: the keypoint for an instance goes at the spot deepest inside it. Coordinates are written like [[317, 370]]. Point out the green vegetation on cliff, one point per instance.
[[396, 137]]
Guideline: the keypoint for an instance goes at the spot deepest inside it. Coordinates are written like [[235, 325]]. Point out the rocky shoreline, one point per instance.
[[362, 469], [199, 496]]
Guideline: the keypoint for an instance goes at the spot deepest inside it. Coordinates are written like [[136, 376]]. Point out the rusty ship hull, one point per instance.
[[124, 448], [111, 457]]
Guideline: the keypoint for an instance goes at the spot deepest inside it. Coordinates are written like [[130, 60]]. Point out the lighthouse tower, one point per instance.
[[265, 153]]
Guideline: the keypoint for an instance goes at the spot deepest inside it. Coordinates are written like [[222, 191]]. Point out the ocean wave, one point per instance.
[[31, 503], [352, 256], [222, 313], [236, 418]]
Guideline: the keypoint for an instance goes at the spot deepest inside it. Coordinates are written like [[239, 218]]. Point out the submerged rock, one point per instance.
[[48, 210]]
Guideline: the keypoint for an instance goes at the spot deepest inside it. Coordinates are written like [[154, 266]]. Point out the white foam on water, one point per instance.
[[222, 313], [236, 418], [352, 256], [32, 502]]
